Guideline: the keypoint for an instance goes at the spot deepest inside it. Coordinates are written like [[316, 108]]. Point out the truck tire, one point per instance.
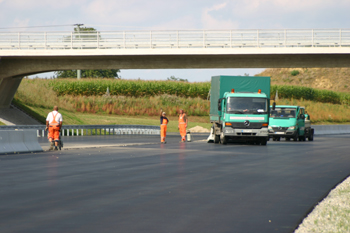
[[311, 136], [216, 139], [223, 139], [263, 142], [295, 138]]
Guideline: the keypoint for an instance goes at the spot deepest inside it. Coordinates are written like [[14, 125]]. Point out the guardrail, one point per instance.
[[176, 39], [81, 130]]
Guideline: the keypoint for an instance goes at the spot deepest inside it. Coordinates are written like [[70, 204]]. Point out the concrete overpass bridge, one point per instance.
[[26, 53]]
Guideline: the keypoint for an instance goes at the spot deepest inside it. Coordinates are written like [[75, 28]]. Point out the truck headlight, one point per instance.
[[228, 130], [291, 128]]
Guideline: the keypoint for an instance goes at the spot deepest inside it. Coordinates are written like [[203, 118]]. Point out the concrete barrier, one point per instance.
[[331, 129], [30, 140], [14, 141], [5, 145]]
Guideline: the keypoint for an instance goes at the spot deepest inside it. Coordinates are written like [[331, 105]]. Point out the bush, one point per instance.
[[294, 72]]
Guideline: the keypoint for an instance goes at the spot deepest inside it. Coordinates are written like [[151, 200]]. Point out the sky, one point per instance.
[[117, 15]]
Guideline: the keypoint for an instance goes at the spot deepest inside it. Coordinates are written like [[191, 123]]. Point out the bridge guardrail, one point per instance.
[[81, 130], [176, 39]]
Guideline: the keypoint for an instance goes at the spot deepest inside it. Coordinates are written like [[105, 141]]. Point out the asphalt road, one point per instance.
[[191, 187]]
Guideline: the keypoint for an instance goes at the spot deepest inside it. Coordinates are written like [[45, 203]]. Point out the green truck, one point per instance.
[[239, 109], [290, 122]]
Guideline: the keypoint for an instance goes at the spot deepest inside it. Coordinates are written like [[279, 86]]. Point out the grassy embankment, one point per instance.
[[333, 79], [38, 97], [139, 102]]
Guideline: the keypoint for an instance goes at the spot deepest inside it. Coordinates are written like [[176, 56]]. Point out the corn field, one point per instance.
[[139, 88], [40, 93], [135, 88]]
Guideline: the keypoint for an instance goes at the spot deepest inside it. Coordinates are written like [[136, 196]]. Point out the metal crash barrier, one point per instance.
[[85, 130]]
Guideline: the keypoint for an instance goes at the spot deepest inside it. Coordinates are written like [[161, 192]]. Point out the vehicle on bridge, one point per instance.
[[290, 122], [239, 109]]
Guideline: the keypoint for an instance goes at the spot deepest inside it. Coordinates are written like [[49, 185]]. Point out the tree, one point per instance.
[[86, 34], [113, 73], [173, 78]]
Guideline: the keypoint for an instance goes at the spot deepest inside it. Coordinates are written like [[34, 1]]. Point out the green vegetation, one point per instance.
[[138, 88], [1, 123], [78, 118], [86, 34], [173, 78], [307, 93], [28, 110], [36, 96], [135, 88], [294, 72], [88, 73]]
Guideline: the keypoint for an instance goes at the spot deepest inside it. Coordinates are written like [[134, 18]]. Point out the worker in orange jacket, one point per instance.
[[163, 126], [54, 124], [182, 125]]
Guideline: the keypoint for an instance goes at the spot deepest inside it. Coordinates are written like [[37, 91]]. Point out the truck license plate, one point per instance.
[[279, 132], [247, 131]]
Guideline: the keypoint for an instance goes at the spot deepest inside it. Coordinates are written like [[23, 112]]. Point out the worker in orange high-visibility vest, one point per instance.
[[183, 125], [54, 123], [163, 126]]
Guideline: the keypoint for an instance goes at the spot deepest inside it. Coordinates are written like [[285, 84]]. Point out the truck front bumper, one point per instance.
[[282, 133], [230, 132]]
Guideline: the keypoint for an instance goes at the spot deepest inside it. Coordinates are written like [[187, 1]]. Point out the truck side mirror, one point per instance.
[[274, 106], [219, 104]]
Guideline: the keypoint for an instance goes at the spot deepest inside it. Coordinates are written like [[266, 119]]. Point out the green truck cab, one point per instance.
[[239, 109], [290, 122]]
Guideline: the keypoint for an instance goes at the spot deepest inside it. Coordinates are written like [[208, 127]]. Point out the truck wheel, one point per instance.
[[216, 139], [295, 138], [311, 136], [223, 139]]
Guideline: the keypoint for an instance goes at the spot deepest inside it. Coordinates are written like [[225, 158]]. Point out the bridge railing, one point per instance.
[[176, 39], [81, 130]]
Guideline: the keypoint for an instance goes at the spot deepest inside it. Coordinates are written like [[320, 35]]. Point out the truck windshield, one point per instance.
[[251, 105], [283, 113]]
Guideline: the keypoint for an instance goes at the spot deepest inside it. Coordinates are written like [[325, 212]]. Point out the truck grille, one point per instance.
[[246, 134], [280, 129], [241, 125]]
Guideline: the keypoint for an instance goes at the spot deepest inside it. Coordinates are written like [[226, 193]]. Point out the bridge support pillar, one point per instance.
[[8, 88]]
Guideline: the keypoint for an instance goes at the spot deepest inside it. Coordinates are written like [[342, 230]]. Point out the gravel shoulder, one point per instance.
[[331, 214]]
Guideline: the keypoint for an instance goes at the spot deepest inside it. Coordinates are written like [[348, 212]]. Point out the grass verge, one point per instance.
[[77, 118]]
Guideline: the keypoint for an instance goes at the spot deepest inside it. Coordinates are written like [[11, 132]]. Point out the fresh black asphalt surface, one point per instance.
[[176, 187]]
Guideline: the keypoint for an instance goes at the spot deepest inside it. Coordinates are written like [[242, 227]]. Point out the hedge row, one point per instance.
[[139, 88]]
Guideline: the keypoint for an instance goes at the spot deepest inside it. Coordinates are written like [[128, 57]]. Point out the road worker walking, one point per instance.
[[163, 126], [183, 125], [54, 124]]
